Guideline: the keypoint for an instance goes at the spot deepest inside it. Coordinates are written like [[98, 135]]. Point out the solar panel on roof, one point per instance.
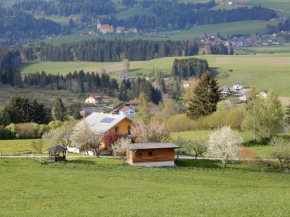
[[107, 120]]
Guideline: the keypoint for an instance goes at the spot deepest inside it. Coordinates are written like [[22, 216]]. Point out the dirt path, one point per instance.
[[117, 68], [285, 101]]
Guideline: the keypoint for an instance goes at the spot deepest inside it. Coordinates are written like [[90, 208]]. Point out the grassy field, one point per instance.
[[103, 187], [131, 12], [63, 67], [265, 71], [19, 146], [267, 49]]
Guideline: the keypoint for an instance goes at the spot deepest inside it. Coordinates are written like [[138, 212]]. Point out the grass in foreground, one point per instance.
[[103, 187]]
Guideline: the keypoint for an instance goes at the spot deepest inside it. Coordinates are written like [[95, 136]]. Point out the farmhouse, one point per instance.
[[97, 99], [224, 90], [244, 97], [128, 111], [133, 103], [104, 29], [238, 86], [119, 29], [263, 94], [151, 154], [101, 123]]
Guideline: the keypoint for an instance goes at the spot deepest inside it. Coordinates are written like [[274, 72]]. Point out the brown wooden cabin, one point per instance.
[[151, 154], [57, 153]]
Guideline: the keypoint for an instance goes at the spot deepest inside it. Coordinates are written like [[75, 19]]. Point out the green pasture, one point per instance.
[[63, 67], [104, 187], [131, 12], [19, 146], [268, 49], [64, 21], [265, 71]]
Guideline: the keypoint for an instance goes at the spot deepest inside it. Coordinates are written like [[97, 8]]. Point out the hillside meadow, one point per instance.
[[105, 187]]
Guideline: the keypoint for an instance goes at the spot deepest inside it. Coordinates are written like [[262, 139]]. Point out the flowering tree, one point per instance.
[[154, 132], [111, 138], [119, 148], [86, 139], [281, 151], [225, 144]]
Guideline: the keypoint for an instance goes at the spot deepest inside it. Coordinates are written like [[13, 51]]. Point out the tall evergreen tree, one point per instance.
[[59, 111], [206, 97], [40, 114], [19, 109]]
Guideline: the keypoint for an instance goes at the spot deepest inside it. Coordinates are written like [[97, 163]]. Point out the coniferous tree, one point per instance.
[[19, 109], [59, 111], [206, 97], [39, 113], [287, 114]]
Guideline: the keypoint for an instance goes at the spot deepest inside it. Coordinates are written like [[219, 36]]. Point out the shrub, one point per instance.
[[39, 130], [23, 130], [6, 134], [249, 157], [54, 124]]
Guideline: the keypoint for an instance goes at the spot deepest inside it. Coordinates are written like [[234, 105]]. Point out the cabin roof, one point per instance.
[[157, 145], [57, 148]]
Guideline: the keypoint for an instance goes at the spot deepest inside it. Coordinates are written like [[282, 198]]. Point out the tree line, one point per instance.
[[80, 82], [100, 50], [186, 68], [132, 89], [16, 25], [67, 7], [281, 26]]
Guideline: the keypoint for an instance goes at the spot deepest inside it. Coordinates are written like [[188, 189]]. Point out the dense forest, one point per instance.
[[15, 25], [67, 7], [100, 50], [9, 56], [10, 76], [186, 68]]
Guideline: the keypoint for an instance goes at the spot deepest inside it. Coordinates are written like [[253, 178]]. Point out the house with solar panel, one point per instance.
[[101, 123]]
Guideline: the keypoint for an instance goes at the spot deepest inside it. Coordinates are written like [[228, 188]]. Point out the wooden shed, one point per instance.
[[151, 154]]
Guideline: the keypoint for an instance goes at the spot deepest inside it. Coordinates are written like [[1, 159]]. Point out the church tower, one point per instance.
[[98, 24]]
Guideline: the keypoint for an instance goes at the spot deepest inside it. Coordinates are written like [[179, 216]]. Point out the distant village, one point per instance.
[[243, 41], [107, 29]]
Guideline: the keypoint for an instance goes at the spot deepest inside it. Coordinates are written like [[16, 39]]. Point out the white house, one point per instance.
[[263, 94], [238, 86], [185, 84], [128, 111], [104, 29], [93, 99], [244, 97], [119, 29], [224, 90]]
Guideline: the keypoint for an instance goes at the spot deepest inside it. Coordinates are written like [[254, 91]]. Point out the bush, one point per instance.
[[248, 157], [39, 130], [6, 134], [54, 124], [24, 130], [232, 118]]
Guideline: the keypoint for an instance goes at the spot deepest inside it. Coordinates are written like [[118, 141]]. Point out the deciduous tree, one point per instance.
[[224, 144]]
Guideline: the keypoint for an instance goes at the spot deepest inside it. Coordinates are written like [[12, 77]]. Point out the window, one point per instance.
[[150, 153], [117, 129], [129, 130], [139, 154]]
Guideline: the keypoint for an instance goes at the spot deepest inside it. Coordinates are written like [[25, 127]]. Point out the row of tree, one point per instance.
[[281, 26], [21, 110], [80, 82], [100, 50], [67, 7], [10, 76], [186, 68]]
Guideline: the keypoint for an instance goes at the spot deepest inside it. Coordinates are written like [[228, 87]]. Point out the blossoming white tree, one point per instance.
[[224, 144], [119, 148]]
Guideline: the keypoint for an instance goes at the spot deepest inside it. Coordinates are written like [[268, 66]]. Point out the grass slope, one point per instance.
[[267, 71], [103, 187], [63, 67]]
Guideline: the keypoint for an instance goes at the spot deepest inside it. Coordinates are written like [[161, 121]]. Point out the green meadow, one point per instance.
[[63, 67], [105, 187], [262, 71]]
